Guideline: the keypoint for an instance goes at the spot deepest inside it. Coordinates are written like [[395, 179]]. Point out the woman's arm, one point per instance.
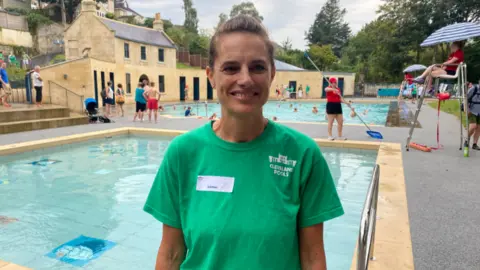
[[172, 249], [454, 61], [329, 89], [312, 252]]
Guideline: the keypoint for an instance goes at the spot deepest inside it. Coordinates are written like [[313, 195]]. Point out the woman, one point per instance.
[[109, 98], [449, 67], [260, 200], [334, 109], [120, 98], [141, 97]]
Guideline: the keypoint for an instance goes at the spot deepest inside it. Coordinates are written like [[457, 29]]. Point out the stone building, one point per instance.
[[99, 50]]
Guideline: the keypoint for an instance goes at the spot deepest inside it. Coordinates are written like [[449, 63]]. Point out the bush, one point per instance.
[[15, 73], [57, 59], [36, 20], [110, 15]]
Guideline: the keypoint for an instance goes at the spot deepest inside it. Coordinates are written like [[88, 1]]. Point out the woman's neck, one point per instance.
[[239, 129]]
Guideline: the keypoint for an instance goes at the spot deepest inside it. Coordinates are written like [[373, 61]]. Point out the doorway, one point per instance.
[[341, 83], [196, 88], [325, 85], [182, 88], [102, 80], [209, 90], [293, 86], [95, 83], [112, 80]]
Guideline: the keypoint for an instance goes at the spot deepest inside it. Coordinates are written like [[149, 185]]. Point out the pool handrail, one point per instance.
[[366, 236]]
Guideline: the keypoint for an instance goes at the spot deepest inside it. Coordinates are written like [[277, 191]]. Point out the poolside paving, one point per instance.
[[442, 186]]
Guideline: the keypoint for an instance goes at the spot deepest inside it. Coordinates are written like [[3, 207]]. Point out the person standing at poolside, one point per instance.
[[261, 197], [109, 99], [185, 90], [334, 109], [120, 97], [5, 90], [38, 85], [307, 90], [141, 98], [152, 105]]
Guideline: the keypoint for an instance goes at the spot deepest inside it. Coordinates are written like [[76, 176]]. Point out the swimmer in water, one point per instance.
[[291, 105], [365, 112], [174, 107], [314, 110], [275, 118], [295, 110], [353, 113]]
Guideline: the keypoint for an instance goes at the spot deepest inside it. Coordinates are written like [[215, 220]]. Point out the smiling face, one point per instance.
[[242, 73]]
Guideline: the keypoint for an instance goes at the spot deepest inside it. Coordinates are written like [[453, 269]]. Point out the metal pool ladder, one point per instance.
[[366, 236]]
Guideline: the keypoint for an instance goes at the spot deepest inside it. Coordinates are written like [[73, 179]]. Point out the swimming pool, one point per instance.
[[97, 189], [376, 114]]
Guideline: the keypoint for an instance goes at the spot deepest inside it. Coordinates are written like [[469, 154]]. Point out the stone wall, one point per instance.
[[46, 37], [10, 21]]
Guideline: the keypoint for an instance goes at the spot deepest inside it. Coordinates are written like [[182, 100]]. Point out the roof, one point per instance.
[[282, 66], [122, 4], [138, 34]]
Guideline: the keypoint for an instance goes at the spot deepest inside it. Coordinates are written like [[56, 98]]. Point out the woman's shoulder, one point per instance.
[[190, 140]]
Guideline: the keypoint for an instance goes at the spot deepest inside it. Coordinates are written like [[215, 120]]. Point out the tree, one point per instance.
[[222, 18], [148, 22], [68, 7], [191, 20], [329, 27], [322, 56], [287, 44], [245, 8], [200, 44]]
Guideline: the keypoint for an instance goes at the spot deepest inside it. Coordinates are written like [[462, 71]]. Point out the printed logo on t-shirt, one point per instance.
[[281, 165]]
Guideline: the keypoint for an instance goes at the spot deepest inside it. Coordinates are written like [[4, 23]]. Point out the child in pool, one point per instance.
[[295, 110], [314, 110], [353, 113], [274, 118]]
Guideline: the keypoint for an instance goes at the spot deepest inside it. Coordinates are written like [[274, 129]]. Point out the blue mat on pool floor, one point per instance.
[[81, 250]]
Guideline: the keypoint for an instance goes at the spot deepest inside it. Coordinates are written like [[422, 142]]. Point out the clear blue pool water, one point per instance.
[[376, 114], [98, 188]]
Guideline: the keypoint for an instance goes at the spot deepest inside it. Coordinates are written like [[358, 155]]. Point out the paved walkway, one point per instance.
[[443, 187]]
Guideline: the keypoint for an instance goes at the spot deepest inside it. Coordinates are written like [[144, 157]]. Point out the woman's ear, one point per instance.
[[209, 72]]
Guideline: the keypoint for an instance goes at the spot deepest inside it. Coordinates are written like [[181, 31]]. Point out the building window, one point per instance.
[[126, 50], [161, 56], [143, 53], [128, 84], [161, 83]]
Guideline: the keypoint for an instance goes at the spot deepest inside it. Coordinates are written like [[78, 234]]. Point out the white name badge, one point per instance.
[[215, 183]]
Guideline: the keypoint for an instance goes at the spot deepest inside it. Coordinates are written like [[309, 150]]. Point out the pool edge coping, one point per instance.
[[393, 245]]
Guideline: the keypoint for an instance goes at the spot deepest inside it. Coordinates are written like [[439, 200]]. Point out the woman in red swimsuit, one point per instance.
[[449, 67], [334, 109]]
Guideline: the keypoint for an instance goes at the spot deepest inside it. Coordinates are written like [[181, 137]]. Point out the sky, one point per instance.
[[284, 19]]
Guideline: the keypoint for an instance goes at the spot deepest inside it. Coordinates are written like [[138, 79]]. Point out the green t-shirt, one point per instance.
[[307, 89], [239, 205]]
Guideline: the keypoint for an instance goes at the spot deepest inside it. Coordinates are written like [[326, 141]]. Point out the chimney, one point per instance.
[[158, 23], [89, 6]]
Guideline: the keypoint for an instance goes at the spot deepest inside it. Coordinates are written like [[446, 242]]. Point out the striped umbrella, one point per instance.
[[453, 32]]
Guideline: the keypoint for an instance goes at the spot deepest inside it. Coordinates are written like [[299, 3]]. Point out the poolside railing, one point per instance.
[[366, 236], [197, 106]]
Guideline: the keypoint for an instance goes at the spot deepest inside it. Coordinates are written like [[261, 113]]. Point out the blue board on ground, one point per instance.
[[45, 162], [81, 250]]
